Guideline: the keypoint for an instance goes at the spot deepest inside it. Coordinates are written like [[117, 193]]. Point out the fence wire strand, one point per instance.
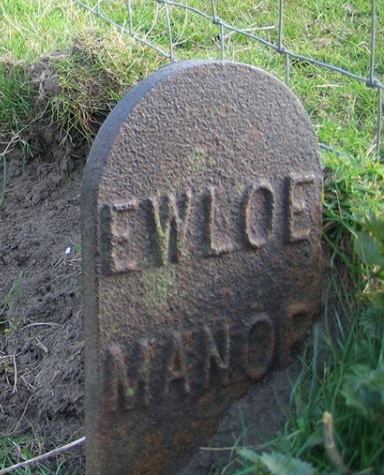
[[371, 80]]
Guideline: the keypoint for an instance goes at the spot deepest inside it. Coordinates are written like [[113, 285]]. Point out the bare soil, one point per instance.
[[41, 338]]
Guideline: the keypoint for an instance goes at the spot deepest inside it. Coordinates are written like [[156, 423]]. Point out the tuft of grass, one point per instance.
[[21, 448], [15, 99], [94, 76], [360, 440], [9, 301], [85, 69], [353, 192]]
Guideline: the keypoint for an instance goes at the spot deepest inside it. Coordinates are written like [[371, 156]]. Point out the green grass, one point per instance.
[[93, 64], [343, 111], [21, 448], [7, 317]]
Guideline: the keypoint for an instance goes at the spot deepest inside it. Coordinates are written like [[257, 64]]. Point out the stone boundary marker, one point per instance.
[[201, 212]]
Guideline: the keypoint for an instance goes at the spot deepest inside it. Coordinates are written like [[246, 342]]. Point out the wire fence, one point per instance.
[[168, 43]]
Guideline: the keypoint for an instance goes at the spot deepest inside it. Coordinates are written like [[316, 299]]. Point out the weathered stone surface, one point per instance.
[[201, 211]]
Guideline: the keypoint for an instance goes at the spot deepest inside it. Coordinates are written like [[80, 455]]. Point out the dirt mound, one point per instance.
[[41, 340], [41, 346]]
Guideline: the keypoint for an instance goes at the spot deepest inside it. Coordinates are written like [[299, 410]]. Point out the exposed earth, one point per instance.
[[41, 346]]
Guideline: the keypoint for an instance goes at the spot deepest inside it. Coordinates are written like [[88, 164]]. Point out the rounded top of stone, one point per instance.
[[194, 107]]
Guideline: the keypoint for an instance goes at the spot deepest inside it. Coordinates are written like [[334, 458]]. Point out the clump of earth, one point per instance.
[[41, 320]]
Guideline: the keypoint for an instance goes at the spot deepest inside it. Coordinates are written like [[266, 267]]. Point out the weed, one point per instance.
[[93, 77], [4, 180], [7, 322], [15, 99], [21, 448], [353, 190]]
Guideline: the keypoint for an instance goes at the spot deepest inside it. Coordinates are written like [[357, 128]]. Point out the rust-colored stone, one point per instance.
[[201, 209]]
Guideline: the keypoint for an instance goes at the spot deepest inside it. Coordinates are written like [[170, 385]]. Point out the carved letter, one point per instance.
[[177, 366], [111, 239], [260, 346], [214, 248], [213, 355], [300, 317], [121, 390], [259, 214], [172, 222], [296, 208]]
